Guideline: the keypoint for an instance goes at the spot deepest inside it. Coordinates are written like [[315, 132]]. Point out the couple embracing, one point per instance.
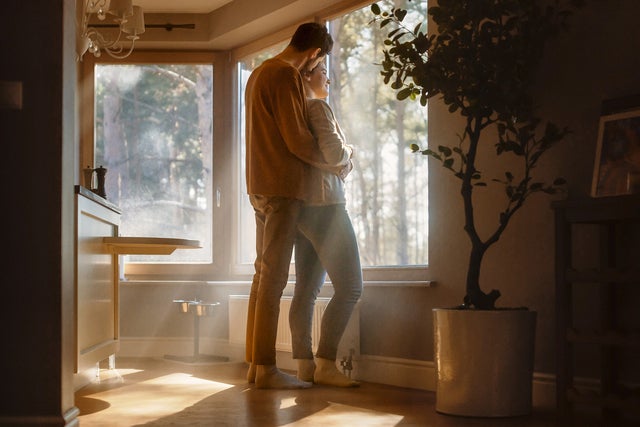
[[296, 163]]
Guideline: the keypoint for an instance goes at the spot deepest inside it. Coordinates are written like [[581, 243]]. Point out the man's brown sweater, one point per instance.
[[280, 145]]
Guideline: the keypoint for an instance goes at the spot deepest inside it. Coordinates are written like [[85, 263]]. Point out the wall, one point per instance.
[[36, 46]]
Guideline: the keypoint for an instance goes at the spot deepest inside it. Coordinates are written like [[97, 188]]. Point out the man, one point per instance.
[[280, 149]]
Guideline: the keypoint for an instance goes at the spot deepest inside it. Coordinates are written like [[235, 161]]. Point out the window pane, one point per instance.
[[387, 190], [154, 134]]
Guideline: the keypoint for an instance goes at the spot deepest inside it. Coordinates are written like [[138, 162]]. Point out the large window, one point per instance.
[[161, 125], [154, 134], [387, 190]]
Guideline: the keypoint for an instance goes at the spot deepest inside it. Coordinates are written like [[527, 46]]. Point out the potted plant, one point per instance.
[[481, 62]]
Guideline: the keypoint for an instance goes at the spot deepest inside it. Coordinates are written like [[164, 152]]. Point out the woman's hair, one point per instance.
[[307, 71], [312, 35]]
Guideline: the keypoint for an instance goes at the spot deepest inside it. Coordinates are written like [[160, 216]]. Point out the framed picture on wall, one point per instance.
[[617, 164]]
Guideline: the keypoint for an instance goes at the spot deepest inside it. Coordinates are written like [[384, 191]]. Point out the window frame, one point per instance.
[[416, 274], [222, 185]]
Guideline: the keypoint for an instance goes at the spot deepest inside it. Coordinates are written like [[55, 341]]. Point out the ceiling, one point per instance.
[[180, 6], [222, 24]]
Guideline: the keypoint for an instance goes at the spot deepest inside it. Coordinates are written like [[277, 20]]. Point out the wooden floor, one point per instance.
[[156, 392]]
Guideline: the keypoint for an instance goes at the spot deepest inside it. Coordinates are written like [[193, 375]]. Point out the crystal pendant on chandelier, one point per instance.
[[127, 24]]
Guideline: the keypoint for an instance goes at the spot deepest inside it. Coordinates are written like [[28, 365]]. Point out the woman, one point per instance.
[[326, 243]]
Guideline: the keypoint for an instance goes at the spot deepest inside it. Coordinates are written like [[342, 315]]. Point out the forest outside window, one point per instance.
[[387, 190], [153, 130]]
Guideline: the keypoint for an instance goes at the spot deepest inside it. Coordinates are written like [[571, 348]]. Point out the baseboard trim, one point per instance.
[[398, 372]]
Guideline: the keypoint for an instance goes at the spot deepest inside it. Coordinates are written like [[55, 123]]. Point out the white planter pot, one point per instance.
[[484, 361]]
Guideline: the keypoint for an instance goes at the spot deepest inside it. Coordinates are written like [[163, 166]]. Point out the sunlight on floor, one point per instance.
[[342, 415], [183, 379], [152, 399], [288, 403]]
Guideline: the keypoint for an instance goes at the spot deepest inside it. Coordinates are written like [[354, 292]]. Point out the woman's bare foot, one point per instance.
[[306, 368], [269, 376], [328, 374]]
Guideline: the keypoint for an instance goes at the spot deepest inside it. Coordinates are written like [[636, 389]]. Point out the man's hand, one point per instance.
[[345, 170]]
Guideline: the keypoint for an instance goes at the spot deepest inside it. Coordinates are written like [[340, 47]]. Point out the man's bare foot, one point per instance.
[[328, 374], [306, 368], [251, 373], [269, 376]]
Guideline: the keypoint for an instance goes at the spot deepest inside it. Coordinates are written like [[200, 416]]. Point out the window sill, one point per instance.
[[399, 283]]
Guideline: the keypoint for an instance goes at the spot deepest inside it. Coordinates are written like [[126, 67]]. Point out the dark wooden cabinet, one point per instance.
[[596, 301]]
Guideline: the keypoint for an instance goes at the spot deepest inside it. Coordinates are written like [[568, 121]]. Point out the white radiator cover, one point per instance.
[[349, 344]]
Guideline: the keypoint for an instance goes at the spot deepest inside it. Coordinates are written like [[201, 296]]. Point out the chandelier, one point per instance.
[[125, 24]]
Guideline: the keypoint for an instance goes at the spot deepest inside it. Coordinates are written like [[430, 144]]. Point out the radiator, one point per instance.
[[349, 345]]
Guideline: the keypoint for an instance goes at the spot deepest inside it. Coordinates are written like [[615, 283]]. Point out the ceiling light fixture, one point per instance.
[[128, 21]]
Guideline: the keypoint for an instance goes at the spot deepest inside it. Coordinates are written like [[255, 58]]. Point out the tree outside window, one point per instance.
[[387, 190], [154, 134]]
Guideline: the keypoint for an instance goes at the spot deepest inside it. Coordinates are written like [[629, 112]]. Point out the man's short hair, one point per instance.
[[312, 35]]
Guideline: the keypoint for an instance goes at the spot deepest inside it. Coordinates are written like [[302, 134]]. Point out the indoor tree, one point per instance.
[[482, 62]]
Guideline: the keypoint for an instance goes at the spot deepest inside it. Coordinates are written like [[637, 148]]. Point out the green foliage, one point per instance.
[[153, 130], [386, 191], [481, 62], [156, 130]]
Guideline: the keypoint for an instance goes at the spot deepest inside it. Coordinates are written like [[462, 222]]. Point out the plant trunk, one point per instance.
[[474, 296]]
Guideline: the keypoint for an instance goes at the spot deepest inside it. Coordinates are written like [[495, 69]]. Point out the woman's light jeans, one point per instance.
[[325, 243]]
